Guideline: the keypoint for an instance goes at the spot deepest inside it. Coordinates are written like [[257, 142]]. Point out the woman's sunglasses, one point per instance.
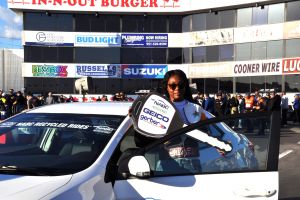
[[173, 86]]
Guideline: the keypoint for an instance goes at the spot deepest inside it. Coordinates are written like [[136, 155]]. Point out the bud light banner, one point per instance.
[[155, 116], [98, 71], [144, 71], [144, 40]]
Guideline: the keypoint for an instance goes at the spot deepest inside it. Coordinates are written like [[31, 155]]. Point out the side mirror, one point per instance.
[[138, 166]]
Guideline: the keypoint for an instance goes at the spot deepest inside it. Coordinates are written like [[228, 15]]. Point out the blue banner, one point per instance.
[[99, 71], [144, 40], [144, 71]]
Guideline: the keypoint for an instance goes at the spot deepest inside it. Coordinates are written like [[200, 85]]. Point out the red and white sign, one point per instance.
[[125, 5], [291, 66], [101, 5]]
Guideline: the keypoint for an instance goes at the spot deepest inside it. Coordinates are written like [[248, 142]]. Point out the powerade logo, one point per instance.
[[144, 71], [156, 115], [98, 40], [50, 70]]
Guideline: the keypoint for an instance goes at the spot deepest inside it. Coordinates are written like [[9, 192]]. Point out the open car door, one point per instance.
[[234, 157]]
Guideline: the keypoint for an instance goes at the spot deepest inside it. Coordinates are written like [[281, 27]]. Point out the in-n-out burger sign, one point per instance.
[[103, 3], [291, 65]]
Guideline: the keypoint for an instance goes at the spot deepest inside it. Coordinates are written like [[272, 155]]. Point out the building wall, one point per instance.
[[11, 69], [206, 43]]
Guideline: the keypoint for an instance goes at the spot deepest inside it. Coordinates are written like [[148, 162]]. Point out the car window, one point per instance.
[[67, 143], [187, 154]]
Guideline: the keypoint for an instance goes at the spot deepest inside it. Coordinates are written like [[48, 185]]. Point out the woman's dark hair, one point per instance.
[[177, 72]]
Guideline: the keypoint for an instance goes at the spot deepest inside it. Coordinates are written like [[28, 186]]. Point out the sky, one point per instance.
[[10, 27]]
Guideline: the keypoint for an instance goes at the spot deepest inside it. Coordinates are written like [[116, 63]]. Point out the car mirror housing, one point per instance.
[[139, 167]]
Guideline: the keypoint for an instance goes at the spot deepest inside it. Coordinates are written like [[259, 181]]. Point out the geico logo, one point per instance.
[[155, 114], [161, 104], [144, 71]]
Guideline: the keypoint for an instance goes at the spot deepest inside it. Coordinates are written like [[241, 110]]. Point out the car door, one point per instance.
[[196, 163]]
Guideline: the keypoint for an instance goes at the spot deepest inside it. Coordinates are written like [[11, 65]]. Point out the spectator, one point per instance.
[[32, 101], [104, 98], [208, 104], [284, 108], [20, 103], [50, 99], [296, 107]]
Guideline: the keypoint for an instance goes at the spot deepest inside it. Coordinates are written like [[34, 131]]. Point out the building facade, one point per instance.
[[129, 45], [11, 69]]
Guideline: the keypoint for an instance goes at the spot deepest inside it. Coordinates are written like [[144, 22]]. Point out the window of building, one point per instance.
[[211, 85], [292, 83], [292, 11], [199, 22], [212, 53], [33, 54], [244, 17], [276, 13], [186, 55], [226, 52], [260, 15], [275, 49], [199, 54], [174, 56], [259, 50], [227, 18], [158, 24], [243, 51], [200, 84], [186, 23], [97, 55], [226, 84], [258, 83], [292, 48], [243, 84], [274, 82], [48, 22], [50, 54], [212, 21], [175, 24], [97, 23], [143, 55], [65, 55], [82, 23], [113, 23], [134, 24]]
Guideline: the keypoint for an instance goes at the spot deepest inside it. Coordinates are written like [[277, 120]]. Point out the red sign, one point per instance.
[[291, 66], [102, 3]]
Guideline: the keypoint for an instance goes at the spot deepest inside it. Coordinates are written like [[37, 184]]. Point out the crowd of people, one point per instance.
[[12, 102], [220, 104], [223, 104]]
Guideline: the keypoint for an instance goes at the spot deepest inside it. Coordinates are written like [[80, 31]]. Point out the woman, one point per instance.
[[176, 87]]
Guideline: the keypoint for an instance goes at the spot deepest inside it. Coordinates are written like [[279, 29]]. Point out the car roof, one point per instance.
[[98, 108]]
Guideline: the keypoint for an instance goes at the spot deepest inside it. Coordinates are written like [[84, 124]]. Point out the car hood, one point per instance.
[[15, 187]]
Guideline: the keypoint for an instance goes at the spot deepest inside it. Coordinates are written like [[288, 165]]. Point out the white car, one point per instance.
[[91, 151]]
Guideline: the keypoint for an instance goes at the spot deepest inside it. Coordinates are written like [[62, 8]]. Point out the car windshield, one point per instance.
[[54, 143]]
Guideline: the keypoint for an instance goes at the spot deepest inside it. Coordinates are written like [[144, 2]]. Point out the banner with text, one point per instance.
[[144, 40], [258, 33], [98, 71], [125, 5], [46, 38], [144, 71], [257, 68], [291, 66]]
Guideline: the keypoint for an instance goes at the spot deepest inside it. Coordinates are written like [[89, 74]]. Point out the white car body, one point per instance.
[[89, 183]]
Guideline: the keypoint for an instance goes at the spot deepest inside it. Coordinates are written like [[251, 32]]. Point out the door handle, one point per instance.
[[254, 192]]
